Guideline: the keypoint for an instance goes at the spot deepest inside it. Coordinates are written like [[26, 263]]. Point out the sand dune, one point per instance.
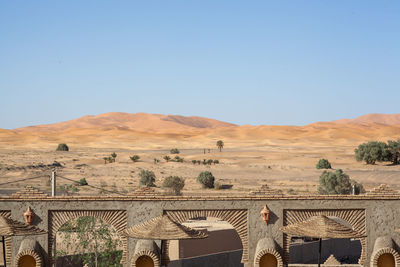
[[159, 131], [374, 118], [127, 121]]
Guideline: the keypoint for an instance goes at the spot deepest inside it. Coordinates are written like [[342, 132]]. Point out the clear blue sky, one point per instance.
[[246, 62]]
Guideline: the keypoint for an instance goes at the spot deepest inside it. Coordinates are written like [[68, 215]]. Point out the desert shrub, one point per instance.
[[147, 178], [174, 151], [83, 181], [337, 183], [216, 161], [210, 161], [323, 164], [156, 161], [204, 162], [358, 188], [67, 189], [62, 147], [178, 159], [174, 183], [167, 158], [194, 161], [206, 179], [199, 162], [372, 152], [135, 158], [113, 155]]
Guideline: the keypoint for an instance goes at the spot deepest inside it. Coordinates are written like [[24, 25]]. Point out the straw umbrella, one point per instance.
[[163, 228], [320, 227], [10, 227]]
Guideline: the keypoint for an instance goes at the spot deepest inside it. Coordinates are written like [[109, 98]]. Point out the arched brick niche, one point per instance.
[[146, 248], [116, 218], [384, 245], [237, 218], [29, 252], [354, 217], [7, 214], [264, 247]]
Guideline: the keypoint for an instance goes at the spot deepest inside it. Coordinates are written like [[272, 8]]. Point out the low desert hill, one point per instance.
[[155, 131]]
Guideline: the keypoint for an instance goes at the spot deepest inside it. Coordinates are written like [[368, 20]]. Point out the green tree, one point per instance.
[[220, 145], [167, 158], [323, 164], [174, 183], [147, 178], [105, 160], [194, 161], [372, 152], [62, 147], [93, 242], [206, 179], [394, 150], [334, 183], [216, 161], [135, 158], [210, 161]]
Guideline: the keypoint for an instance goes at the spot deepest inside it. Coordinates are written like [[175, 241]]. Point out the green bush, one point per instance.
[[323, 164], [206, 179], [337, 183], [83, 182], [167, 158], [135, 158], [174, 183], [394, 150], [113, 155], [194, 161], [216, 161], [62, 147], [174, 151], [178, 159], [147, 178]]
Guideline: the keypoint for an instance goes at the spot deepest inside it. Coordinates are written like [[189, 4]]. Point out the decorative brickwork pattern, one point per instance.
[[149, 253], [7, 214], [354, 217], [331, 260], [265, 190], [384, 190], [30, 252], [116, 218], [145, 191], [268, 251], [29, 192], [375, 256], [237, 218]]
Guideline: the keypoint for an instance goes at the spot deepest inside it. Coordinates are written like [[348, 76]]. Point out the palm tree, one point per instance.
[[220, 145], [167, 158]]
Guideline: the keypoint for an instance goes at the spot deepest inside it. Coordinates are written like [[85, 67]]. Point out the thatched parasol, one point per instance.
[[163, 228], [10, 227], [320, 227]]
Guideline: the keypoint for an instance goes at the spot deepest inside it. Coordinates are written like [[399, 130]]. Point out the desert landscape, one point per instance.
[[283, 157]]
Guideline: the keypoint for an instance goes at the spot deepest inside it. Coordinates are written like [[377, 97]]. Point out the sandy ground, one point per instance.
[[288, 167]]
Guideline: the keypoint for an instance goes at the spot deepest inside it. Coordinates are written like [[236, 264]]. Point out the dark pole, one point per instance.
[[4, 251], [161, 252], [319, 252]]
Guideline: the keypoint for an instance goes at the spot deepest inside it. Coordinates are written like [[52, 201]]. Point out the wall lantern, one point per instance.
[[29, 215], [265, 213]]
